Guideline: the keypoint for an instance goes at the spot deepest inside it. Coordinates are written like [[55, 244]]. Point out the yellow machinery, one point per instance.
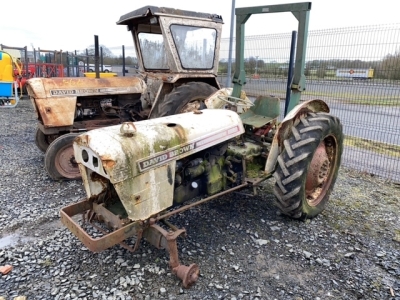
[[8, 89]]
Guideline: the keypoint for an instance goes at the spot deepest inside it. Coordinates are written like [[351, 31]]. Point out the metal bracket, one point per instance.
[[162, 239]]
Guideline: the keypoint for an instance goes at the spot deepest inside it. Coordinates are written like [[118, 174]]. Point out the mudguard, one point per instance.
[[285, 127]]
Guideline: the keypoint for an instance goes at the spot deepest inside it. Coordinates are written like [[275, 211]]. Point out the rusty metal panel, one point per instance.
[[94, 244], [143, 12], [54, 99], [83, 86], [56, 112]]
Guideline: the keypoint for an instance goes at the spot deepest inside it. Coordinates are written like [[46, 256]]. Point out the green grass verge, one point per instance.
[[377, 147], [344, 98]]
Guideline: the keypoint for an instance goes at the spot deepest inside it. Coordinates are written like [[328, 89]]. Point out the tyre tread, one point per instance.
[[298, 150]]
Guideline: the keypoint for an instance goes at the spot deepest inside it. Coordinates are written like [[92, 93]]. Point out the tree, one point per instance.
[[390, 66], [321, 72], [251, 63], [91, 50]]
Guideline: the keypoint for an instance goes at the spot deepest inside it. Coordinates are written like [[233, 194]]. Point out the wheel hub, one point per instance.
[[66, 164], [317, 175]]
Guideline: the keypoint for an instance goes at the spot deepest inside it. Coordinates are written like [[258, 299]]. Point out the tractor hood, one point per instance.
[[139, 158], [154, 142]]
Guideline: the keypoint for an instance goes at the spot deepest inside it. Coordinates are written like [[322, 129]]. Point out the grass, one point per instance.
[[377, 147], [368, 100], [345, 98]]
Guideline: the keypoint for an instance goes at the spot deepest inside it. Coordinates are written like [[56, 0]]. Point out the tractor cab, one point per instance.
[[174, 47]]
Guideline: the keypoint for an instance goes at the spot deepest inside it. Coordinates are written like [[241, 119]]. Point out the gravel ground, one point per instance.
[[245, 249]]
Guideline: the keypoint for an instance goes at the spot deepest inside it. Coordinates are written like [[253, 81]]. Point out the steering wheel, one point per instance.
[[237, 101]]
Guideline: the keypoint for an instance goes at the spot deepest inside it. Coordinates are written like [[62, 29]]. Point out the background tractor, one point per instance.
[[138, 174], [178, 54]]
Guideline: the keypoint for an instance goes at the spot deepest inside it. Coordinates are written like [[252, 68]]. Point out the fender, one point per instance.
[[284, 128], [161, 84]]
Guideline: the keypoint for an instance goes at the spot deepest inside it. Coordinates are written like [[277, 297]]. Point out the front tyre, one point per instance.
[[41, 140], [59, 159], [308, 165]]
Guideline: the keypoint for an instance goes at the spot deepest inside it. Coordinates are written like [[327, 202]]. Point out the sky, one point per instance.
[[71, 25]]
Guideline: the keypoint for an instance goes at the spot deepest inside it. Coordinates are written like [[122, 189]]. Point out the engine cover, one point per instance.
[[55, 99], [141, 163]]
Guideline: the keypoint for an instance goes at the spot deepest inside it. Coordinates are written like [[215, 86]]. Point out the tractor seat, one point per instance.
[[265, 110]]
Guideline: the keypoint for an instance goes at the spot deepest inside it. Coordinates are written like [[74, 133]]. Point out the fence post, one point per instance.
[[123, 60], [96, 55], [101, 59], [76, 66], [290, 71], [68, 64], [228, 75]]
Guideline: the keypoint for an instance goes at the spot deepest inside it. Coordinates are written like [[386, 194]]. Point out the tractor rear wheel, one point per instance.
[[59, 160], [185, 98], [308, 165]]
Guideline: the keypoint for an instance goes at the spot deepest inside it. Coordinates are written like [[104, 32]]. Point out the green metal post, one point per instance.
[[299, 80], [239, 77], [301, 11]]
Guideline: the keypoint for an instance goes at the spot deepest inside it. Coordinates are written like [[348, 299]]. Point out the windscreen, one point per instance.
[[195, 45], [153, 50]]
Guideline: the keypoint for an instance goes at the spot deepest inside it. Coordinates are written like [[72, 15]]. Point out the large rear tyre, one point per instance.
[[308, 166], [185, 98], [59, 160]]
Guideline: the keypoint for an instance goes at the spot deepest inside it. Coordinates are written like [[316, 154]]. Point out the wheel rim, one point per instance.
[[321, 171], [65, 162]]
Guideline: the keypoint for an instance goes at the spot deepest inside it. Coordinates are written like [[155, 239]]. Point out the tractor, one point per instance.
[[138, 174], [178, 55]]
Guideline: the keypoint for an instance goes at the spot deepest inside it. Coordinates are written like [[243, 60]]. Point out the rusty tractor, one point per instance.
[[178, 55], [138, 174]]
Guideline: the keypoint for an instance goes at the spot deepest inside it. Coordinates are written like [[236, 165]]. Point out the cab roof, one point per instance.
[[148, 11]]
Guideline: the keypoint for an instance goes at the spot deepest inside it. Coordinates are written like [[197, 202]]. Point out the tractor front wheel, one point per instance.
[[42, 140], [185, 98], [59, 160], [308, 165]]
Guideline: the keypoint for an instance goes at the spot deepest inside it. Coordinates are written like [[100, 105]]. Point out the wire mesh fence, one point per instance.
[[355, 70]]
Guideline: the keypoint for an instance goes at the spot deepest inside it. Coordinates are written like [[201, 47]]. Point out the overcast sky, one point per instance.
[[71, 25]]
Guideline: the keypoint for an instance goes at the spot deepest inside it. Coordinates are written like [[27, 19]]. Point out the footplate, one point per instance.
[[95, 244]]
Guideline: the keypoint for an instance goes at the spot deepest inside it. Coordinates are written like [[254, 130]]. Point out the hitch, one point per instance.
[[153, 233], [163, 239]]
